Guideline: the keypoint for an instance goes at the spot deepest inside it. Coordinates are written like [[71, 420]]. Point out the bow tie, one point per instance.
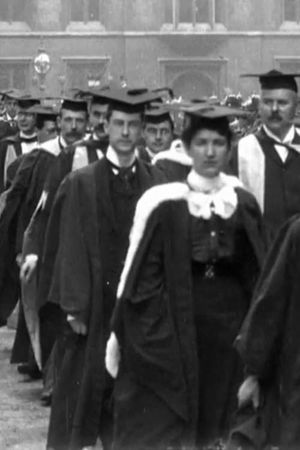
[[123, 172]]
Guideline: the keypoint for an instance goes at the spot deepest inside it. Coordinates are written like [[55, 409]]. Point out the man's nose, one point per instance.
[[158, 134], [275, 106], [125, 129]]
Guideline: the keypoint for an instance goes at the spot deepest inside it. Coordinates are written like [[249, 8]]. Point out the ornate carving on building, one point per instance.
[[85, 71], [194, 77]]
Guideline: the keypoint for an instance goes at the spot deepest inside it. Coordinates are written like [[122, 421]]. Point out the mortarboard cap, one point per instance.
[[12, 93], [47, 112], [130, 100], [27, 100], [206, 110], [157, 114], [165, 91], [96, 95], [274, 79], [74, 104]]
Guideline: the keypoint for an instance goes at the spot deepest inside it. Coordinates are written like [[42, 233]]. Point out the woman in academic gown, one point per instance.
[[195, 254]]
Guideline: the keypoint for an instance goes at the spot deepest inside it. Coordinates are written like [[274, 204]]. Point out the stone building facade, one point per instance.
[[199, 47]]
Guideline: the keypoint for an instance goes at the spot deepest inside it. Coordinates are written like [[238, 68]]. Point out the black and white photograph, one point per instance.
[[149, 224]]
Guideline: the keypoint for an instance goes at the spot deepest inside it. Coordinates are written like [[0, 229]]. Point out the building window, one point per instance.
[[194, 12], [13, 75], [86, 72], [12, 10], [291, 13], [84, 11]]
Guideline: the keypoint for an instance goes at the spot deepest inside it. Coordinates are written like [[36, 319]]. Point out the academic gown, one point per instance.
[[69, 159], [84, 283], [21, 200], [274, 183], [175, 164], [154, 315], [10, 150], [173, 170], [269, 341], [6, 129]]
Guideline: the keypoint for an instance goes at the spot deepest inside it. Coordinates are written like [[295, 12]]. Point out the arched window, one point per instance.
[[194, 12]]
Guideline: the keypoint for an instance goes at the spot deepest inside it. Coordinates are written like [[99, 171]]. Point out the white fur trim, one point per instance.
[[226, 203], [151, 199], [176, 153], [251, 163], [112, 355]]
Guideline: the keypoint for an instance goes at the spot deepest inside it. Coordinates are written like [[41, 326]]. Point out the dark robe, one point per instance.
[[173, 170], [10, 150], [144, 155], [7, 129], [269, 341], [21, 200], [70, 158], [62, 166], [278, 185], [90, 251], [154, 320]]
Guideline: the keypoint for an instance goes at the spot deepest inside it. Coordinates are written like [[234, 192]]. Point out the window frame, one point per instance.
[[12, 63], [287, 23], [84, 63], [212, 15], [85, 5], [10, 19]]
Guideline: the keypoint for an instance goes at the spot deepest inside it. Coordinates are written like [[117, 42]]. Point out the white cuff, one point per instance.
[[31, 258], [112, 356]]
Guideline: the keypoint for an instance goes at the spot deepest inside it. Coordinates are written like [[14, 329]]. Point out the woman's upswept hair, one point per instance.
[[195, 123]]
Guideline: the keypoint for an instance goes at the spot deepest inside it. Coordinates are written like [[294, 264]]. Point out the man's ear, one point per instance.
[[58, 122], [106, 126]]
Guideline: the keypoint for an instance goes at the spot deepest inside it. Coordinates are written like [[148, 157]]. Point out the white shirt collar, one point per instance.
[[150, 153], [28, 136], [113, 157], [62, 141], [288, 139]]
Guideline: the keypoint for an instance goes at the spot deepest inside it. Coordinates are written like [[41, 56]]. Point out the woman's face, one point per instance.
[[208, 149]]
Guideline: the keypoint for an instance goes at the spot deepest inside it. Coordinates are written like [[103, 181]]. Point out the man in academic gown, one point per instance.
[[77, 154], [97, 115], [21, 143], [96, 206], [268, 161], [28, 173], [8, 119], [158, 133], [29, 185]]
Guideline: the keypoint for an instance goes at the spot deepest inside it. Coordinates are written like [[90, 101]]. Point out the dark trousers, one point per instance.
[[142, 421]]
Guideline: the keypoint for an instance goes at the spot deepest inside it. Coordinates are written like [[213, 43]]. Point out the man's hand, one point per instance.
[[77, 326], [249, 392], [28, 268]]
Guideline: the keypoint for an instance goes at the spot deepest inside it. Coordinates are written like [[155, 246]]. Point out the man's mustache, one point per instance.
[[275, 116], [100, 128]]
